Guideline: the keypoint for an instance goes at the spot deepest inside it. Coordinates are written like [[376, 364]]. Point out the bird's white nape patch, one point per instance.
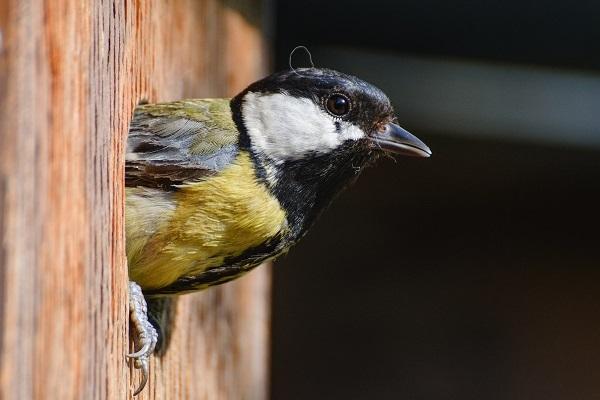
[[284, 127]]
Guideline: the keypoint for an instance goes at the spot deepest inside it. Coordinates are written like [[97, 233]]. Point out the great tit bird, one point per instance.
[[214, 187]]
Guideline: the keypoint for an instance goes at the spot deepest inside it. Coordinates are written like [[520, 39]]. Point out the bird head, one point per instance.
[[303, 113]]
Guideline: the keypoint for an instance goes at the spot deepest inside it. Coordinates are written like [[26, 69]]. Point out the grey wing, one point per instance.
[[168, 149]]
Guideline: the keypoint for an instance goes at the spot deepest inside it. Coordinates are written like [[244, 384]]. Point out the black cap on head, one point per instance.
[[369, 107]]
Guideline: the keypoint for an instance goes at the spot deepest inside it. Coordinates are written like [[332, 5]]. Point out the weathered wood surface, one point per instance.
[[71, 73]]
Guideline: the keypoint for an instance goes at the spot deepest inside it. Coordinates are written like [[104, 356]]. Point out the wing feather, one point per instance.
[[173, 143]]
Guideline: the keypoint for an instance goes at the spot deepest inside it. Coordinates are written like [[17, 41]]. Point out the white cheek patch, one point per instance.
[[284, 127]]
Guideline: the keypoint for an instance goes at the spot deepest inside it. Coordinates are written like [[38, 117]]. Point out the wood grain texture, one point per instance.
[[71, 73]]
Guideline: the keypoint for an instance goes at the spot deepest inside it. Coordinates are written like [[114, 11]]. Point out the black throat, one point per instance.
[[306, 187]]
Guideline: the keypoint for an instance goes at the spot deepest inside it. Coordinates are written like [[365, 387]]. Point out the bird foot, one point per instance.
[[145, 336]]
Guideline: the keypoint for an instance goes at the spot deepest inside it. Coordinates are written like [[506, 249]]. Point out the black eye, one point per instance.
[[338, 105]]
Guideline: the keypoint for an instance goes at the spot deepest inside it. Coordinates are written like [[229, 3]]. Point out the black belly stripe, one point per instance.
[[232, 268]]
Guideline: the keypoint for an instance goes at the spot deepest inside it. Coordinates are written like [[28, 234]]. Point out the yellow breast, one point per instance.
[[204, 223]]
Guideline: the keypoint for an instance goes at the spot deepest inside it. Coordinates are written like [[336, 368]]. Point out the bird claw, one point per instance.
[[144, 333], [141, 352]]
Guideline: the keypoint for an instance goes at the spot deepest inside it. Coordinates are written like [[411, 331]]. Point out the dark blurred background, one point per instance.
[[473, 274]]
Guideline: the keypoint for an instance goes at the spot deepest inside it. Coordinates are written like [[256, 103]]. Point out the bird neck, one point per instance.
[[305, 187]]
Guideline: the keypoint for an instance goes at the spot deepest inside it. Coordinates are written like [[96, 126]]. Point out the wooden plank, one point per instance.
[[70, 75]]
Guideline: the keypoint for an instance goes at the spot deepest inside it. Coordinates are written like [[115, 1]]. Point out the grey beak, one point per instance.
[[397, 140]]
